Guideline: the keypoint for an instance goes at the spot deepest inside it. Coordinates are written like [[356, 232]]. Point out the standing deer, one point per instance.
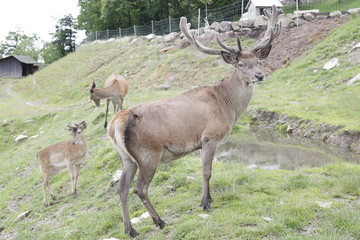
[[115, 89], [68, 154], [162, 131]]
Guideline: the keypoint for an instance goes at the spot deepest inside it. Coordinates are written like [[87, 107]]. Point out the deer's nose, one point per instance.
[[259, 76]]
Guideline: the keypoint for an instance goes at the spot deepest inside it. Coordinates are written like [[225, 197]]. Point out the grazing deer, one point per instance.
[[66, 154], [115, 89], [162, 131]]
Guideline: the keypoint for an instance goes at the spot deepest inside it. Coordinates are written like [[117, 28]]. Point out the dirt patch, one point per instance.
[[293, 41]]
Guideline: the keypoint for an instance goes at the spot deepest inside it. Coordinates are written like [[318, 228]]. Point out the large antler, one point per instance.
[[196, 44], [273, 30]]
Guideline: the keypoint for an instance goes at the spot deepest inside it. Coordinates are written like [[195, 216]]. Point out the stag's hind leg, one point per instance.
[[147, 169], [127, 176]]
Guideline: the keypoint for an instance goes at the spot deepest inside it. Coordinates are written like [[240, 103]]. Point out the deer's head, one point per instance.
[[77, 131], [93, 96], [246, 63]]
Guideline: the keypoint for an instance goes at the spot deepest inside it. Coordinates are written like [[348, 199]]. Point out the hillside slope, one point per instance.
[[43, 105]]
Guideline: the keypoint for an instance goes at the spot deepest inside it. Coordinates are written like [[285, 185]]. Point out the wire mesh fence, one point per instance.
[[231, 12]]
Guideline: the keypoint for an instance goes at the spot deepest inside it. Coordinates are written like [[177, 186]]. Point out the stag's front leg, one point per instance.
[[106, 113], [207, 155], [147, 171]]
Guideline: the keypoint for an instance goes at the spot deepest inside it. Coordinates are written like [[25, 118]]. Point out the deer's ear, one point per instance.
[[93, 85], [228, 58], [263, 53]]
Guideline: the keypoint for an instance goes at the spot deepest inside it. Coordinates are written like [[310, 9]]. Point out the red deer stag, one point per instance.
[[162, 131], [67, 154], [115, 89]]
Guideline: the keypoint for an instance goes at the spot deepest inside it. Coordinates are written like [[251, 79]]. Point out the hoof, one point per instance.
[[105, 125], [132, 232], [206, 206], [160, 223]]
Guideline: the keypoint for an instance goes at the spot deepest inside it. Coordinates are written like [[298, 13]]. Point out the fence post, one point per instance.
[[120, 32], [135, 30], [169, 24], [198, 31], [96, 35], [152, 26], [242, 12], [297, 13], [107, 33]]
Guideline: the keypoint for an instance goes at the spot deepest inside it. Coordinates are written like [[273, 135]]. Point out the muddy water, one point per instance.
[[271, 150]]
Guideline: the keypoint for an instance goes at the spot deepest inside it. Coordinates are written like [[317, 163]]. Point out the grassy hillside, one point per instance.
[[248, 204]]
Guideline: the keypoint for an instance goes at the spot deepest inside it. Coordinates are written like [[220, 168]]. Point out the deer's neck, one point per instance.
[[236, 93], [104, 92]]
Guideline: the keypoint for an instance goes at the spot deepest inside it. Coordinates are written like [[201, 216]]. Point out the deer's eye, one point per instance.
[[241, 64], [79, 132]]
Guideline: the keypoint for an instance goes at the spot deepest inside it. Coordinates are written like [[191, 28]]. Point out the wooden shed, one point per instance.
[[256, 7], [17, 66]]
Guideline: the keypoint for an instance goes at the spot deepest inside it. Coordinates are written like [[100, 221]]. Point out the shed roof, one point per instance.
[[265, 3], [23, 59]]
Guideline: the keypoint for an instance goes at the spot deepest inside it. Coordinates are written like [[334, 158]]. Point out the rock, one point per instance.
[[354, 80], [235, 26], [289, 129], [247, 22], [22, 215], [331, 64], [20, 138], [299, 22], [215, 26], [252, 167], [138, 219], [286, 21], [116, 176], [209, 32], [150, 37], [189, 178], [35, 136], [309, 16], [171, 188], [225, 26], [170, 36], [355, 47], [203, 216], [324, 204], [354, 10], [260, 21], [335, 14], [4, 121], [267, 219]]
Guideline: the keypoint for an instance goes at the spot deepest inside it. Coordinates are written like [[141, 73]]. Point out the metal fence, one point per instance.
[[231, 12]]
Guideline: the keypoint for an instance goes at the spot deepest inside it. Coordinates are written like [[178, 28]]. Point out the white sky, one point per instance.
[[35, 16]]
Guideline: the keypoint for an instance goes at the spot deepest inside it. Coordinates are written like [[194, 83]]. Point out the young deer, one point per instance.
[[66, 154], [115, 89], [162, 131]]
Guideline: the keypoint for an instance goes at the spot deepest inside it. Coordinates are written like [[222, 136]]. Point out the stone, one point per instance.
[[260, 21], [309, 16], [20, 138], [150, 37], [335, 14], [357, 46], [215, 26], [247, 22], [286, 21], [203, 215], [116, 176], [354, 10], [324, 204], [267, 219], [331, 64], [225, 26], [252, 167], [141, 217], [235, 26], [23, 215], [355, 80]]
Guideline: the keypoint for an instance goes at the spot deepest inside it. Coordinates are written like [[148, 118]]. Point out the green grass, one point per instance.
[[307, 91], [248, 204], [324, 6]]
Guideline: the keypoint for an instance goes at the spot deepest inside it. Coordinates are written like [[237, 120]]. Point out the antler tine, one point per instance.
[[230, 49], [238, 42], [273, 30], [191, 38]]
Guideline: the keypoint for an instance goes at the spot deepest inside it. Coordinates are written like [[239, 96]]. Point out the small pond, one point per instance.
[[272, 150]]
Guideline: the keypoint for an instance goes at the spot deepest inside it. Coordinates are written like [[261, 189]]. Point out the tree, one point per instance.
[[64, 37], [18, 43], [50, 53]]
